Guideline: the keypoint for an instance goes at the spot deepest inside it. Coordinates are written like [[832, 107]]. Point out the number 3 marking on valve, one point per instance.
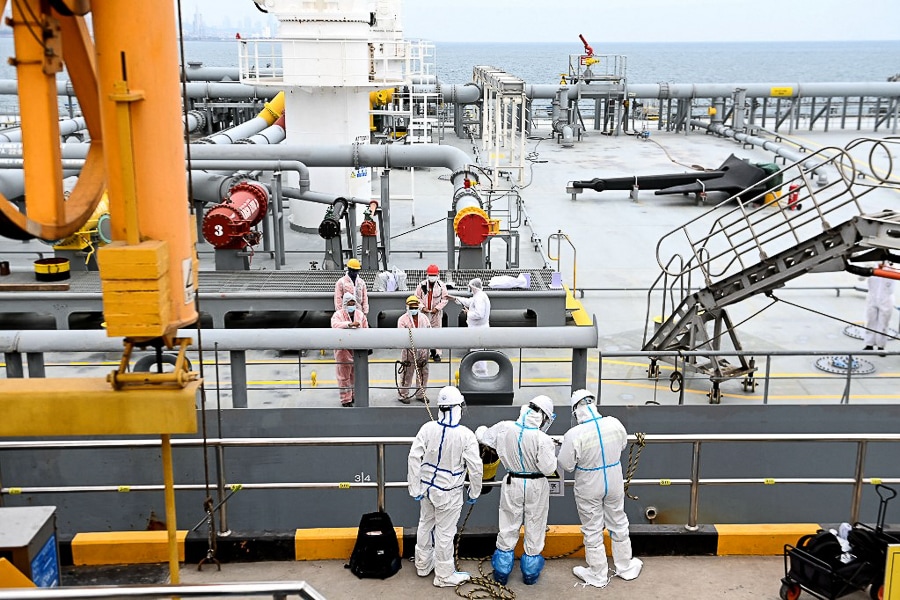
[[219, 231]]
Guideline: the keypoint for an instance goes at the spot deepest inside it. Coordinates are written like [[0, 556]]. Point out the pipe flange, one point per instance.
[[857, 333], [841, 365], [468, 194]]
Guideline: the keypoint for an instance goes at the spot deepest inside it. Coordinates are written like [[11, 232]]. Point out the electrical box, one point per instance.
[[28, 541]]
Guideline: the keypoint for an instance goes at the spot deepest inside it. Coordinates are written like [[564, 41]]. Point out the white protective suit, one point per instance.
[[879, 306], [440, 455], [523, 448], [478, 314], [593, 450]]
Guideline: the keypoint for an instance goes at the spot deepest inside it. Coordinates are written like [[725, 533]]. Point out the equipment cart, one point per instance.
[[818, 566]]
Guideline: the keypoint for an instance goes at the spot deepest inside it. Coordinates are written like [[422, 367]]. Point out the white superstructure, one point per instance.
[[327, 56]]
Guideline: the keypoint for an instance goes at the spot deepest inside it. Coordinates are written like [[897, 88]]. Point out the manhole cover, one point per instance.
[[842, 364], [858, 333]]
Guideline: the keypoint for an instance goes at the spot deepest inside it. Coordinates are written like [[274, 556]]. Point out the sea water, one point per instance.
[[738, 62]]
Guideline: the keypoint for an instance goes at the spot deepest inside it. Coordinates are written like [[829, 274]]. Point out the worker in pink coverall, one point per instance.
[[432, 293], [347, 317], [413, 362], [353, 283]]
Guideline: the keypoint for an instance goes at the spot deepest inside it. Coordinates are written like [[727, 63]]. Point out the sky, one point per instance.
[[604, 21]]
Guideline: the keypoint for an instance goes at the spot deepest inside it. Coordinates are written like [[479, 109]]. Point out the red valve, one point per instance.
[[473, 229], [229, 225]]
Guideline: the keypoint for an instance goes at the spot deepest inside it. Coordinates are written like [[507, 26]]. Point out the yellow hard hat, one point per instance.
[[354, 264], [410, 300]]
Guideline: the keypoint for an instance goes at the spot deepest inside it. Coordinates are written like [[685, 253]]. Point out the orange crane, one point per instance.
[[124, 70]]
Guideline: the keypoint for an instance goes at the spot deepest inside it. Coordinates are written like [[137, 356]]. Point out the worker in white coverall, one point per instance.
[[528, 455], [879, 306], [593, 449], [478, 314], [413, 362], [440, 455], [347, 318]]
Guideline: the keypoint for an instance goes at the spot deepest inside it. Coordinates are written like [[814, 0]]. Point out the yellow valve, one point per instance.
[[314, 378], [321, 353], [591, 60]]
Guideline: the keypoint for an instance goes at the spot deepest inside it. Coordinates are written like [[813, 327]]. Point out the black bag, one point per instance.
[[376, 554]]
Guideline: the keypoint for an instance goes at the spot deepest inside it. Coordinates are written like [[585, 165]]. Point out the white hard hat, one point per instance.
[[580, 395], [544, 403], [450, 396], [475, 283]]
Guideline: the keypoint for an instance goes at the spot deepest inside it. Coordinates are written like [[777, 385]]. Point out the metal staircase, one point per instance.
[[751, 246]]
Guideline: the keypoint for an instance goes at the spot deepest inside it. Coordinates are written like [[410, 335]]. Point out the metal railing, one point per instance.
[[848, 371], [381, 483], [245, 375], [277, 591]]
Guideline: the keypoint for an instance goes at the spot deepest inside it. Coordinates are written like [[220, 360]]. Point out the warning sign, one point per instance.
[[187, 275]]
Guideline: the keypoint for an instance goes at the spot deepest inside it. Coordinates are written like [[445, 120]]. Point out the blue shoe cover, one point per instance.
[[531, 568], [502, 561]]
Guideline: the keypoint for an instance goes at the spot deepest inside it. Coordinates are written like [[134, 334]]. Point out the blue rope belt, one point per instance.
[[604, 467]]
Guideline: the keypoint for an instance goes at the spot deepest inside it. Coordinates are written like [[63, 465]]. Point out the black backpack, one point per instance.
[[376, 554]]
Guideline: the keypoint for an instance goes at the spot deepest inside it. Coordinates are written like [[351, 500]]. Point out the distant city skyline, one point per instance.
[[646, 21]]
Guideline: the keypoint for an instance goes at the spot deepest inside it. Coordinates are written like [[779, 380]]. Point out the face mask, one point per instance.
[[351, 309], [432, 278], [413, 311]]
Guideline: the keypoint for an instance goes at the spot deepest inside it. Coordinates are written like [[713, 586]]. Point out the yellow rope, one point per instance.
[[412, 346], [633, 458]]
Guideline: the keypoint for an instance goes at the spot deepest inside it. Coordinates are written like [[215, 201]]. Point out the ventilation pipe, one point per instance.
[[562, 118]]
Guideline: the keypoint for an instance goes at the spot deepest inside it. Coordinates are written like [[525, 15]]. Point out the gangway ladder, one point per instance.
[[745, 248]]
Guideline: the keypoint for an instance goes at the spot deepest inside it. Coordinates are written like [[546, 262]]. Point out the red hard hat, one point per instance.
[[432, 270]]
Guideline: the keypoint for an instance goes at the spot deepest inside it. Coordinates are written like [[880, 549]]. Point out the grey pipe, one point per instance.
[[320, 197], [197, 72], [367, 155], [194, 89], [195, 119], [250, 163], [66, 127], [457, 94], [212, 187], [469, 92], [238, 132], [359, 155], [327, 339], [775, 147], [764, 90], [273, 134], [715, 90]]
